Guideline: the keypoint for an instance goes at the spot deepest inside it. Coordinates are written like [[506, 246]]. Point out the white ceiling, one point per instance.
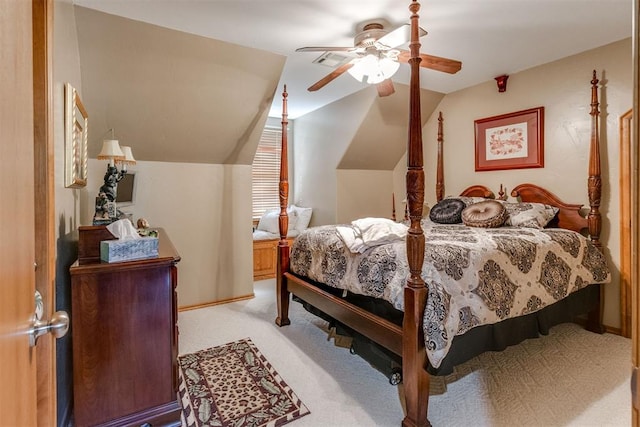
[[490, 37]]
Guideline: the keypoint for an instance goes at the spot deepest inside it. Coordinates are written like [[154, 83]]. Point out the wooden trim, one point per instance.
[[612, 330], [42, 22], [214, 303], [626, 121], [635, 199]]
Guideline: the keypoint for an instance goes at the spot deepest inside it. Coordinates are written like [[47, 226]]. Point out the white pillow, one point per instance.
[[269, 221], [304, 217], [529, 214]]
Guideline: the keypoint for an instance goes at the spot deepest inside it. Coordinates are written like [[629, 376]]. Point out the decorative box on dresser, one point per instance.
[[124, 335]]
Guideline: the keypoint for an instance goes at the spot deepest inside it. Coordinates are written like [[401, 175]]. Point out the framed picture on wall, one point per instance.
[[510, 141], [75, 139]]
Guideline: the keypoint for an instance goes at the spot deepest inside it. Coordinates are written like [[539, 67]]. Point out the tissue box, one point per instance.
[[128, 250]]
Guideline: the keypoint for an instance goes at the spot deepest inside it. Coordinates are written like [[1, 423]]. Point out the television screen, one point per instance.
[[126, 190]]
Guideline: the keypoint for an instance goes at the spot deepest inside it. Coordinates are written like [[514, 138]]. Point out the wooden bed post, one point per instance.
[[282, 264], [414, 375], [594, 319], [594, 183], [440, 164]]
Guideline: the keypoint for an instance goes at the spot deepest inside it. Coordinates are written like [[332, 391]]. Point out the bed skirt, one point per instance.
[[494, 337]]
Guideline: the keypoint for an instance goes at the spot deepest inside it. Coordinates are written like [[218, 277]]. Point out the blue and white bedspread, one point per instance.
[[475, 276]]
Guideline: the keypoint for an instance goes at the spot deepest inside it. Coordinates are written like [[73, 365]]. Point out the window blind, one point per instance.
[[265, 172]]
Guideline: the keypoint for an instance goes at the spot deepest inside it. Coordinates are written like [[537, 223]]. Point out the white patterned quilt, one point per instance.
[[475, 276]]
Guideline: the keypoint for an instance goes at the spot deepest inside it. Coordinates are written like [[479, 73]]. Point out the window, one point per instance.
[[265, 174]]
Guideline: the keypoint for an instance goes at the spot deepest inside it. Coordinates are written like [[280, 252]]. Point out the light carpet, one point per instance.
[[570, 378], [234, 385]]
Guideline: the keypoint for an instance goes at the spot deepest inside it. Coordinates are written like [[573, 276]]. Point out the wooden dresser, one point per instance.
[[124, 336]]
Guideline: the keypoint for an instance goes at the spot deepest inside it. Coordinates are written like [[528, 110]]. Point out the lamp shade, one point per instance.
[[128, 155], [110, 150], [372, 70]]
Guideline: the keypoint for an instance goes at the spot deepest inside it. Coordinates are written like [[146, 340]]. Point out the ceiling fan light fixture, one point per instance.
[[372, 69]]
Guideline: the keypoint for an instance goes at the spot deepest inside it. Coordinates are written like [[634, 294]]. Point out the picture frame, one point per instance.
[[510, 141], [75, 143]]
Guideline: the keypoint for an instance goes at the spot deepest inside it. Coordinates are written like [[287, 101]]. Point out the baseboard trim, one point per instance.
[[612, 330], [213, 303]]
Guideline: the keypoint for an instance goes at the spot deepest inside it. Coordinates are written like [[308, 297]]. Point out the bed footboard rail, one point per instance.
[[382, 331]]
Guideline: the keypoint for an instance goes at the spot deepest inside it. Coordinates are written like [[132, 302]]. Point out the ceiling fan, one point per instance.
[[377, 59]]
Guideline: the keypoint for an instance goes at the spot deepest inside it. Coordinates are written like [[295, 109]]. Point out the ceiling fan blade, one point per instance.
[[325, 49], [330, 77], [385, 88], [437, 63], [397, 37]]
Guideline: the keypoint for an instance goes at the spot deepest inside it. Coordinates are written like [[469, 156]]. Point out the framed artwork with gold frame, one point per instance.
[[75, 139]]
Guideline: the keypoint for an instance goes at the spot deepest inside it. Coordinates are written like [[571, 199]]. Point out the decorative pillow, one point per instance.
[[269, 221], [487, 214], [447, 211], [303, 215], [529, 214], [468, 201]]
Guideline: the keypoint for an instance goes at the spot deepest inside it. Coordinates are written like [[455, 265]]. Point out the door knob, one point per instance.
[[57, 326]]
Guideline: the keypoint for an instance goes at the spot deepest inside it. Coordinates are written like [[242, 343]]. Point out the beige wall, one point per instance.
[[320, 140], [66, 69], [563, 88], [353, 190], [174, 96], [206, 211], [340, 147]]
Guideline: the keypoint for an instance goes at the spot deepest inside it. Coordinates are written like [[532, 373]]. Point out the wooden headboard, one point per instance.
[[568, 217], [478, 191]]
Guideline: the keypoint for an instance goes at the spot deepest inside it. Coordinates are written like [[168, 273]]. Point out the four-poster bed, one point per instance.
[[404, 336]]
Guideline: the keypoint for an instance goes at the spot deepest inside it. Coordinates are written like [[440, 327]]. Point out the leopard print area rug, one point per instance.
[[234, 385]]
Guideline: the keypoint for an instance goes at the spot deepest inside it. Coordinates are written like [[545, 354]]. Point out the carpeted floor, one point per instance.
[[570, 378]]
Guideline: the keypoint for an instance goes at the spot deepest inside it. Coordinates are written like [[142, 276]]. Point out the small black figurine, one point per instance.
[[111, 179]]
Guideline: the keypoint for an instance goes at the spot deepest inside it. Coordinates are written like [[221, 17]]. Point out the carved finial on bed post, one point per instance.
[[414, 375], [440, 164], [502, 194], [595, 182]]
